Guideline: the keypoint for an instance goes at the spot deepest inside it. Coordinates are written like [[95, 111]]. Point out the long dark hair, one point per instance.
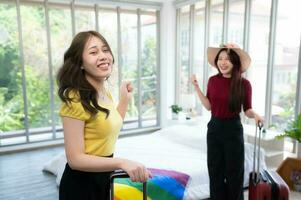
[[72, 78], [236, 95]]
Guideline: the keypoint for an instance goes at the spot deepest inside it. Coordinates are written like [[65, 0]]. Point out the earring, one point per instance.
[[81, 67]]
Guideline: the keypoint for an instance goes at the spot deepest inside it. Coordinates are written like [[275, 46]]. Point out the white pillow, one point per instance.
[[60, 174], [193, 135], [56, 164]]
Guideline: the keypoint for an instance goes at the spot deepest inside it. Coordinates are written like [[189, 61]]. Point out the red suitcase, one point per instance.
[[269, 184], [259, 187], [280, 190], [123, 174]]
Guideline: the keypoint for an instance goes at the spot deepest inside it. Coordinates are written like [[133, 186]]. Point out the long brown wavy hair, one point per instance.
[[237, 92], [71, 77]]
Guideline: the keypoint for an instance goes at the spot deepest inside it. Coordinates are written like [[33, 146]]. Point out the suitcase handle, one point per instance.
[[123, 174], [260, 126]]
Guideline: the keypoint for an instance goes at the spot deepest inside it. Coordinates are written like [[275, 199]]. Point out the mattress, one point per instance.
[[179, 147], [182, 148]]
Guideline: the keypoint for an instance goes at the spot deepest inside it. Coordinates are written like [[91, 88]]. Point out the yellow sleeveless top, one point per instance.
[[100, 134]]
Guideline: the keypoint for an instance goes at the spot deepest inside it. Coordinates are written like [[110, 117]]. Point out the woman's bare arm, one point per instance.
[[251, 114], [205, 101], [79, 160]]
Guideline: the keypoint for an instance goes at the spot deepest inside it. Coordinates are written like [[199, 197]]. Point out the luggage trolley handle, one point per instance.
[[260, 126], [123, 174]]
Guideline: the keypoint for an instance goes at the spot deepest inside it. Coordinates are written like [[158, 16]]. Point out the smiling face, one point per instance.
[[97, 60], [224, 64]]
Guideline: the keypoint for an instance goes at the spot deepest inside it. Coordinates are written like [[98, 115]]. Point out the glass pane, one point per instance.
[[149, 68], [129, 59], [108, 28], [259, 43], [84, 19], [184, 51], [61, 35], [11, 97], [286, 62], [199, 34], [236, 22], [36, 66], [216, 27], [13, 141]]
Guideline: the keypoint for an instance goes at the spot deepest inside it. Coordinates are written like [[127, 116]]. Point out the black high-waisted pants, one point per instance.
[[80, 185], [225, 158]]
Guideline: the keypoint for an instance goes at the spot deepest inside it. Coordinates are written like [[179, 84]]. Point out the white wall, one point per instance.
[[167, 73]]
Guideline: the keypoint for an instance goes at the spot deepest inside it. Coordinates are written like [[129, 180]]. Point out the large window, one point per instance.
[[129, 65], [36, 66], [107, 20], [148, 69], [199, 33], [216, 27], [286, 62], [184, 50], [259, 44], [274, 51], [30, 59], [11, 91], [84, 19], [61, 36], [236, 22]]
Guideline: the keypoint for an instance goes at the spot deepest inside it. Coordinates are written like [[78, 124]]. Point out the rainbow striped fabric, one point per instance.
[[165, 185]]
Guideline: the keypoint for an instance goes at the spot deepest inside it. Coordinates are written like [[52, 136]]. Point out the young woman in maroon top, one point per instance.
[[227, 94]]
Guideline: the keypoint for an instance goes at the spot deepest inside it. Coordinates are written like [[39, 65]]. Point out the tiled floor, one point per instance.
[[22, 178]]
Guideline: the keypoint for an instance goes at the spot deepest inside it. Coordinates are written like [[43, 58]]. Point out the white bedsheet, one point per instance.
[[179, 147]]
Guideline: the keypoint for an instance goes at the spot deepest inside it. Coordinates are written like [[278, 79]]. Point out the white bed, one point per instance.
[[178, 147]]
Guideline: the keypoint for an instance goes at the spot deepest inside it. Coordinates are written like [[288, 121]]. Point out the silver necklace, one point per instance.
[[102, 95]]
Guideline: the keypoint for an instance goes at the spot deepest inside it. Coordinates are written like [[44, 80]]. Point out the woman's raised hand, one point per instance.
[[232, 45], [136, 171], [194, 80], [126, 90]]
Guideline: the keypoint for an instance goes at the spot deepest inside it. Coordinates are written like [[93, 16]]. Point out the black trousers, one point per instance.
[[225, 158], [80, 185]]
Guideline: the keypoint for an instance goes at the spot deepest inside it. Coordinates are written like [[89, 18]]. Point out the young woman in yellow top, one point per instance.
[[91, 122]]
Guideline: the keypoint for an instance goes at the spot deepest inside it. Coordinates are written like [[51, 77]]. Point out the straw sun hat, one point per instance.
[[244, 56]]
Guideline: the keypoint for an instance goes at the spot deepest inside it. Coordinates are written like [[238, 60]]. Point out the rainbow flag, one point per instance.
[[165, 185]]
